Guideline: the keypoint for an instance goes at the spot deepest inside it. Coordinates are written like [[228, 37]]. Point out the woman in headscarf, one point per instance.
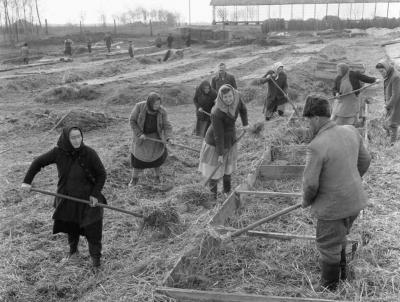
[[347, 108], [275, 98], [392, 98], [148, 121], [219, 145], [204, 100], [81, 174]]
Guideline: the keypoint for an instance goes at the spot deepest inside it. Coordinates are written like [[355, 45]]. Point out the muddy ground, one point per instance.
[[99, 93]]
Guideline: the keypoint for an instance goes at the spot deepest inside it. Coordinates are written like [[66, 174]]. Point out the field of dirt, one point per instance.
[[98, 93]]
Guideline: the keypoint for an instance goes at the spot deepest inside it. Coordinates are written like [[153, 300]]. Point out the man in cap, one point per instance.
[[332, 185], [392, 98], [222, 78]]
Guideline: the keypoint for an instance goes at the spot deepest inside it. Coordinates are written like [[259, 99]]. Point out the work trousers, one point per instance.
[[331, 238], [93, 234]]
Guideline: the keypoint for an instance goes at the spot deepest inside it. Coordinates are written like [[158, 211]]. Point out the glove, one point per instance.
[[26, 187], [170, 141], [94, 201], [246, 128], [220, 159], [377, 81], [143, 136]]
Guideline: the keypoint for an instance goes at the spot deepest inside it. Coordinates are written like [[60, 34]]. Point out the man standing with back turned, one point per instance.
[[332, 185]]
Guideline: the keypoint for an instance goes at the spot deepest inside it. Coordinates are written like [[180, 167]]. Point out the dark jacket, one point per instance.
[[205, 101], [392, 97], [217, 81], [336, 160], [275, 97], [356, 78], [222, 132], [81, 174]]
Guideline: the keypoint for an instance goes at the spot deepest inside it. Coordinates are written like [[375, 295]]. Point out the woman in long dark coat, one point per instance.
[[149, 120], [219, 145], [347, 108], [81, 174], [204, 99], [276, 100]]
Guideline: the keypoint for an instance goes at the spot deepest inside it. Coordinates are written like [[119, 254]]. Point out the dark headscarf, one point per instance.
[[151, 99], [65, 144], [200, 89]]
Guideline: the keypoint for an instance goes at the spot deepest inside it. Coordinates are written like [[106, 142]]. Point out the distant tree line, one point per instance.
[[142, 15], [19, 17]]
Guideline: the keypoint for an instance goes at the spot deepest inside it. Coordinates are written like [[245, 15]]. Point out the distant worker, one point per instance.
[[149, 121], [170, 39], [68, 47], [392, 98], [222, 78], [130, 49], [347, 108], [204, 100], [276, 99], [25, 53], [108, 41], [336, 160], [158, 41], [219, 147], [188, 40], [89, 45]]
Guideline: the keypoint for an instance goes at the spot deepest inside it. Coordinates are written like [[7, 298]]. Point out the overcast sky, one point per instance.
[[69, 11]]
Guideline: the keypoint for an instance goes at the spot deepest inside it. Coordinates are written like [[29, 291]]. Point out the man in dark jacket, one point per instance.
[[332, 185], [392, 98], [222, 78], [347, 109]]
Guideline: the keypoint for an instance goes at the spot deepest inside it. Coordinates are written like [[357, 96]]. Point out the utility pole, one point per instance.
[[190, 17]]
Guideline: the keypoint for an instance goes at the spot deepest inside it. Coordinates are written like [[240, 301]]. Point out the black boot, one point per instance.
[[226, 181], [213, 186], [343, 265], [73, 241], [96, 262], [330, 275]]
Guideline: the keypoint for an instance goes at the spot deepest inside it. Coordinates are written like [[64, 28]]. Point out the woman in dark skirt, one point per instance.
[[149, 120], [81, 174], [219, 145], [204, 99]]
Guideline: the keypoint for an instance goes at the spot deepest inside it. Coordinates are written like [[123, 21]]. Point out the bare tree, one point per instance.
[[82, 16], [103, 20], [37, 13]]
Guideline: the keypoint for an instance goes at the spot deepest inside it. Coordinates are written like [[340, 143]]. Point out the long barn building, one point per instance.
[[254, 11]]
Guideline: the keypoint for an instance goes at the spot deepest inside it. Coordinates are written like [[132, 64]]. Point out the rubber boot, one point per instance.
[[226, 182], [343, 265], [213, 185], [73, 241], [329, 276]]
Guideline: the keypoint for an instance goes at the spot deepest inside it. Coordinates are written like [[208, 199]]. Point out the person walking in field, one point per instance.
[[25, 53], [158, 41], [130, 50], [81, 174], [68, 47], [336, 160], [276, 99], [219, 146], [392, 98], [108, 41], [204, 100], [89, 45], [347, 109], [170, 40], [222, 78], [148, 121]]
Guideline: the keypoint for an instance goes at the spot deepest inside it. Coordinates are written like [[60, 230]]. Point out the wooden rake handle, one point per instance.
[[265, 220], [351, 92], [174, 144], [205, 112], [101, 205]]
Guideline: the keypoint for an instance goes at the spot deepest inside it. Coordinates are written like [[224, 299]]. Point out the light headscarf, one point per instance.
[[387, 66], [275, 68], [344, 68], [230, 110]]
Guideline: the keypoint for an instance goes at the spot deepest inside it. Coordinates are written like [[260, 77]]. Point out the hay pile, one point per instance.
[[162, 217], [193, 194], [127, 94], [67, 93], [38, 119], [254, 93], [177, 94], [87, 120], [147, 60]]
